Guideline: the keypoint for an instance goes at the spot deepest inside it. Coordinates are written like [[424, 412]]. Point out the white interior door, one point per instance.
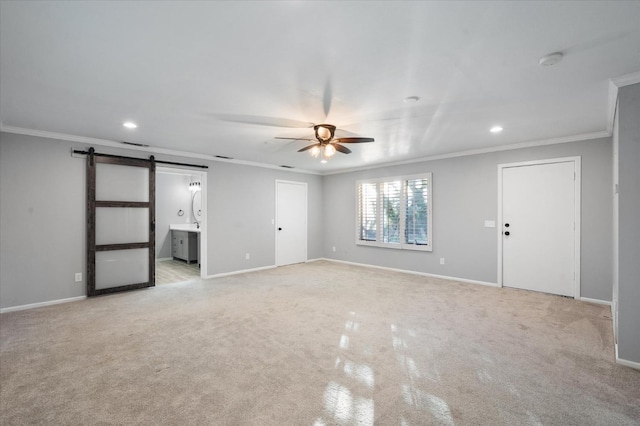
[[291, 222], [539, 230]]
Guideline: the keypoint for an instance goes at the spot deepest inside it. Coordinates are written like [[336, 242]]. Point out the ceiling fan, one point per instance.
[[326, 144]]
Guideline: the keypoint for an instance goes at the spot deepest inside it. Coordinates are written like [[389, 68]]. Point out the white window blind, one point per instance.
[[416, 219], [367, 211], [395, 212], [390, 194]]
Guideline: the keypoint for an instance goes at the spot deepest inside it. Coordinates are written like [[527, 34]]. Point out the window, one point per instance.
[[395, 212], [367, 194]]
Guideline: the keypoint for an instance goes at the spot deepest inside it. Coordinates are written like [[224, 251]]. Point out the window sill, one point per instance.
[[411, 247]]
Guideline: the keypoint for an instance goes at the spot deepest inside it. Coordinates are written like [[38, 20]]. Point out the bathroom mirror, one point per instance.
[[196, 207]]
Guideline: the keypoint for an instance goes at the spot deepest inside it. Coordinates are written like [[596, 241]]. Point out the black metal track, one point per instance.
[[173, 163]]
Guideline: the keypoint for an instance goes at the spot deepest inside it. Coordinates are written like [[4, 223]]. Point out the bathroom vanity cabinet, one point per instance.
[[184, 245]]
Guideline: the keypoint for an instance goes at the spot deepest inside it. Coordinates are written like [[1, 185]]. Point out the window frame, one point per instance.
[[403, 206]]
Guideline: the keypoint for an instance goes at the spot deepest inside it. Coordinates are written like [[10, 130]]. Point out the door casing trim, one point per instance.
[[275, 221], [203, 176], [577, 187]]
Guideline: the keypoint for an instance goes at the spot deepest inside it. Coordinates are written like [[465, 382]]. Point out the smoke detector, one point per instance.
[[551, 59]]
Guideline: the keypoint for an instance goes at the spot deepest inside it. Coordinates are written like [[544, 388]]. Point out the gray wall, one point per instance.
[[42, 204], [629, 223], [42, 217], [465, 194], [172, 195], [239, 216]]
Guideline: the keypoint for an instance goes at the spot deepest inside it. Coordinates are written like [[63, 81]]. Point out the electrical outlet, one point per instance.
[[333, 248], [442, 260], [247, 256], [78, 277]]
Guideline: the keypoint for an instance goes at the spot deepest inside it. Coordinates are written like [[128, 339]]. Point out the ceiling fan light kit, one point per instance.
[[329, 150], [327, 145]]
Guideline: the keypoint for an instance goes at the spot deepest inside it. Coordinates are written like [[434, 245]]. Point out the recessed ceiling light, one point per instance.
[[130, 125], [411, 99], [323, 161], [495, 129], [551, 59]]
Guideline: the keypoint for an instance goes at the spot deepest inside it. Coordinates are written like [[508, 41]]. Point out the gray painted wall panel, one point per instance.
[[465, 194], [240, 216], [42, 221], [42, 217], [38, 261], [629, 223]]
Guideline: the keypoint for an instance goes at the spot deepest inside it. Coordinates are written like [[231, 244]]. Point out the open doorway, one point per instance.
[[180, 225]]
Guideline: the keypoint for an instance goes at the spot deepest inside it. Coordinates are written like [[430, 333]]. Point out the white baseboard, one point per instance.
[[407, 271], [242, 271], [41, 304], [596, 301], [625, 362], [315, 260], [164, 259]]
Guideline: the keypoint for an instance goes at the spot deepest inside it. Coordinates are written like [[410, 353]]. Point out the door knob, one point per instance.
[[279, 229], [506, 225], [506, 233]]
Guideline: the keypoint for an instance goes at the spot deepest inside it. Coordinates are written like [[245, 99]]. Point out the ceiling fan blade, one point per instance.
[[326, 98], [353, 140], [295, 139], [342, 149], [264, 121], [308, 147], [345, 133]]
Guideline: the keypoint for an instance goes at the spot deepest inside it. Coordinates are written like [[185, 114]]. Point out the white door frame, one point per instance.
[[306, 216], [577, 174], [202, 175]]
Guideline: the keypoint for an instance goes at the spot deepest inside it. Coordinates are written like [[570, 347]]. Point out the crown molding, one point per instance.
[[531, 144], [616, 83], [626, 79], [612, 105], [153, 150]]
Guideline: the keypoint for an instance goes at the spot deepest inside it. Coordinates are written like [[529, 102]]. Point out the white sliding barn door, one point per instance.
[[291, 222], [540, 226]]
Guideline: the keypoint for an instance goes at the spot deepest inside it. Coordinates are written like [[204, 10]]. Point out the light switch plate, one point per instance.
[[78, 277]]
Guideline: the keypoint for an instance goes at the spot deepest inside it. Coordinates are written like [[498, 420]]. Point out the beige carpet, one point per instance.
[[315, 344]]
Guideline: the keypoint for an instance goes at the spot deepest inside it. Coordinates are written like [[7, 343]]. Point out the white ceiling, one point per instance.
[[187, 72]]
